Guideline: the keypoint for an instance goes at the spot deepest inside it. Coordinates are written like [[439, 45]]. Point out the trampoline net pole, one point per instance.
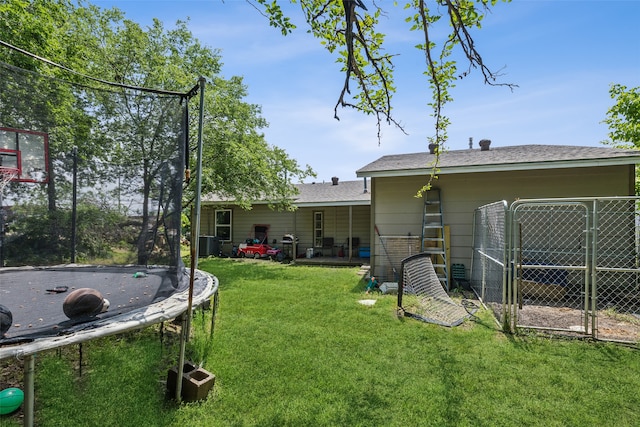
[[195, 232], [29, 388]]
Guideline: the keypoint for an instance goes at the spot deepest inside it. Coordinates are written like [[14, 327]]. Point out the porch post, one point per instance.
[[350, 232]]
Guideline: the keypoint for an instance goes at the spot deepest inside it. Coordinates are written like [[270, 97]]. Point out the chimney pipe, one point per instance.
[[470, 143], [484, 144], [334, 180], [365, 185]]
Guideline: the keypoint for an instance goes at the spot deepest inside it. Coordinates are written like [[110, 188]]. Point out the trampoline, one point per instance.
[[58, 207], [138, 297], [107, 192]]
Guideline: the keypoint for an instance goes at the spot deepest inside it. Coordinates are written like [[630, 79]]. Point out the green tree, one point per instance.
[[134, 128], [623, 118], [104, 43], [240, 164], [43, 28], [237, 160], [28, 101]]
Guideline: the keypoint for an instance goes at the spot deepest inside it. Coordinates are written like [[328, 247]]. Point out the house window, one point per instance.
[[318, 232], [223, 224]]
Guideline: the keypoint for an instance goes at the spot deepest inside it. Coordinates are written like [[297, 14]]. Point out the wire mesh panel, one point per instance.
[[391, 253], [550, 254], [488, 258], [616, 269]]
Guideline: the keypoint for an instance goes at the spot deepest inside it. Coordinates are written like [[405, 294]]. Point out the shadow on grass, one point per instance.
[[245, 268], [360, 286]]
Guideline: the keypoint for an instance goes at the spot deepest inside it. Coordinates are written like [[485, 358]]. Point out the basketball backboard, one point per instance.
[[26, 152]]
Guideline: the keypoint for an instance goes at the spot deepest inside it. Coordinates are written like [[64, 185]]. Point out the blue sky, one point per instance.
[[562, 54]]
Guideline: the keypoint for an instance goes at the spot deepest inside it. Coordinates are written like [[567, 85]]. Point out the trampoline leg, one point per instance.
[[183, 340], [80, 359], [29, 395], [213, 313]]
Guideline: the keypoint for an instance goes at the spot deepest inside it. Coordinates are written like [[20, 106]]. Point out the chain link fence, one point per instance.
[[616, 269], [571, 265], [488, 258]]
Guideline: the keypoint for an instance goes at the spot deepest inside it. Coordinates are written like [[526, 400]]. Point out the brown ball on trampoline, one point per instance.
[[6, 320], [84, 302]]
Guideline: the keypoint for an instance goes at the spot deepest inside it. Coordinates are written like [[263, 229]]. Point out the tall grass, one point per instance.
[[293, 347]]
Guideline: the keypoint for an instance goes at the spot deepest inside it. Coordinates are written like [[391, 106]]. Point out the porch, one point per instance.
[[333, 261]]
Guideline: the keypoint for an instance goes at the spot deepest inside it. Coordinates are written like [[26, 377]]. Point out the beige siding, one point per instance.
[[336, 222], [397, 212], [300, 223], [244, 221], [336, 225]]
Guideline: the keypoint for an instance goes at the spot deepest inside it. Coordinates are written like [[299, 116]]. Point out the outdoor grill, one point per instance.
[[287, 242], [288, 239]]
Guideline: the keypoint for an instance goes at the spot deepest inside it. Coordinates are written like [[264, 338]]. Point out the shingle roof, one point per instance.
[[344, 193], [519, 157]]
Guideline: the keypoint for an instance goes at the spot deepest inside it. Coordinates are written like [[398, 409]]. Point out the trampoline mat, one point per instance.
[[37, 311]]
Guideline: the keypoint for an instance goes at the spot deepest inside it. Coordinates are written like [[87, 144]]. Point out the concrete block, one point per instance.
[[196, 382]]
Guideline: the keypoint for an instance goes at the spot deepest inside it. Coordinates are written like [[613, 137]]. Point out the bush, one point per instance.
[[39, 236]]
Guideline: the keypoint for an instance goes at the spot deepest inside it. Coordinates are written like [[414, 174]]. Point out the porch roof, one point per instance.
[[510, 158]]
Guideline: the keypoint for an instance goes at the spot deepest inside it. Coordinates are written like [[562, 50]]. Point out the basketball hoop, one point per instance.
[[7, 174]]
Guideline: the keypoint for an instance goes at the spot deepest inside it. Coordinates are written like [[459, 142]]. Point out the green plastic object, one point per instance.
[[10, 400]]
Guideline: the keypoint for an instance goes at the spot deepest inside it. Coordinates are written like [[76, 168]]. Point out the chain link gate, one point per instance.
[[550, 255], [571, 265]]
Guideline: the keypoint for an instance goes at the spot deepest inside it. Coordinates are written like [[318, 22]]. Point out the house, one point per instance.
[[471, 178], [331, 219]]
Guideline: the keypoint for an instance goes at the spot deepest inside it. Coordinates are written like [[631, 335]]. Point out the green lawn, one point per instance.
[[292, 347]]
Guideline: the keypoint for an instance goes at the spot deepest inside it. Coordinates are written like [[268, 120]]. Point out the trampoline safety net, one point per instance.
[[101, 170], [93, 175]]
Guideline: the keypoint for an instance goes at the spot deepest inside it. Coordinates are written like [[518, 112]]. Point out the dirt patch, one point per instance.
[[610, 325], [11, 375]]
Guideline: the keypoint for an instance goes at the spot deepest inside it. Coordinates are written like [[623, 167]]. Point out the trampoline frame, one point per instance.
[[169, 308]]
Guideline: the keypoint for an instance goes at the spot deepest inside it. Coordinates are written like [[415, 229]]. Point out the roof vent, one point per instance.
[[432, 148], [484, 144], [334, 180]]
